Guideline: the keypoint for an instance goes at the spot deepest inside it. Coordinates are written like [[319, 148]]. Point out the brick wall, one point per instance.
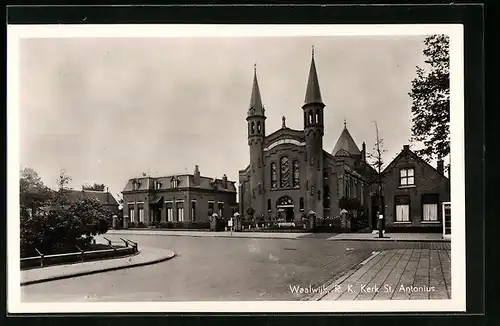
[[427, 181], [200, 197]]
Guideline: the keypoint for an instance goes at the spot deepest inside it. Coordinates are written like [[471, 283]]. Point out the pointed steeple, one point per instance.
[[313, 94], [256, 107]]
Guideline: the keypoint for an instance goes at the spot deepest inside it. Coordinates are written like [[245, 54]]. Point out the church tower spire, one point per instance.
[[256, 107], [313, 93]]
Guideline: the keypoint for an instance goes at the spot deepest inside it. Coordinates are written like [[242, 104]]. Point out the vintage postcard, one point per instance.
[[236, 168]]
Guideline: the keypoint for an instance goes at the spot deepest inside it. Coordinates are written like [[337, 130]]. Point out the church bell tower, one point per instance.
[[256, 134], [314, 129]]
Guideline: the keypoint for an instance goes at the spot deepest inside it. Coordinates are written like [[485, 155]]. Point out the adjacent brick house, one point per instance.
[[413, 192], [177, 198]]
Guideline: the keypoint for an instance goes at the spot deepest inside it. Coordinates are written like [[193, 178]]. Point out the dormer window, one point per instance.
[[174, 182], [407, 177], [136, 185], [157, 185]]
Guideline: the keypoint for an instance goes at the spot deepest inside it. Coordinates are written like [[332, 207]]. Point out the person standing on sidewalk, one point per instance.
[[380, 224]]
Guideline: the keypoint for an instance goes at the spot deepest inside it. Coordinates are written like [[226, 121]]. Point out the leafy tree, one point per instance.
[[33, 193], [430, 96], [65, 225], [95, 187], [92, 218], [64, 229]]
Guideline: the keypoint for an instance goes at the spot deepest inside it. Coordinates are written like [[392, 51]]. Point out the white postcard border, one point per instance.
[[455, 31]]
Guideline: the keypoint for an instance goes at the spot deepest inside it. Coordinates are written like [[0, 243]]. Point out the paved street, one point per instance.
[[208, 268]]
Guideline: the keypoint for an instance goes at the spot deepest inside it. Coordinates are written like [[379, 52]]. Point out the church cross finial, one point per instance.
[[283, 122], [345, 124], [255, 68], [312, 52]]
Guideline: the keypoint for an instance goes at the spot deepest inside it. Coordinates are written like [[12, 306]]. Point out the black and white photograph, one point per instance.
[[217, 168]]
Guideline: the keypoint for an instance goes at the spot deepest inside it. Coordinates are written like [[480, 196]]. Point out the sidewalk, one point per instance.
[[400, 274], [146, 256], [433, 237], [221, 234]]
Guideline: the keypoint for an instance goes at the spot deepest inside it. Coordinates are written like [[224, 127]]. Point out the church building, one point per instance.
[[290, 173]]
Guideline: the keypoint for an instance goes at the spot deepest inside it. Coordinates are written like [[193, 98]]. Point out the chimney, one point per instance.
[[363, 152], [224, 181], [196, 175], [440, 166], [406, 147]]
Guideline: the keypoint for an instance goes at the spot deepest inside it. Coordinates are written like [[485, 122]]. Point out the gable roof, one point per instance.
[[345, 144], [408, 152], [103, 197]]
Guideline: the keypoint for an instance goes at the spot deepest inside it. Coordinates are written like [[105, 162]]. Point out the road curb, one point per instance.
[[219, 237], [103, 270], [393, 240]]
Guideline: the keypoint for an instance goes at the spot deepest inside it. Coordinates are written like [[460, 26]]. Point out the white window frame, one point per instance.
[[399, 220], [429, 218], [405, 175], [141, 216], [180, 217], [131, 213]]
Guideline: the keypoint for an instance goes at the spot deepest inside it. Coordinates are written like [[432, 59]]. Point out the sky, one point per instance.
[[108, 109]]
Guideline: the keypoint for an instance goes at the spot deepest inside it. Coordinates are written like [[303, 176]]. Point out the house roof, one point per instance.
[[103, 197], [405, 152], [345, 145], [183, 180]]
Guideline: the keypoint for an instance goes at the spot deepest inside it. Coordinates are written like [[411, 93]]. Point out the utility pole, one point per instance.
[[379, 181]]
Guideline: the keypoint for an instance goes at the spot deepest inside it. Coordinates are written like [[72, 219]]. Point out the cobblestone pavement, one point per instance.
[[219, 269], [397, 274]]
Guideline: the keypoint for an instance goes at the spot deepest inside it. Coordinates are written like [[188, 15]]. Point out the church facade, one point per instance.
[[290, 173]]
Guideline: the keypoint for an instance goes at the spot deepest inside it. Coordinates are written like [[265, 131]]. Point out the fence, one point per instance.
[[42, 260]]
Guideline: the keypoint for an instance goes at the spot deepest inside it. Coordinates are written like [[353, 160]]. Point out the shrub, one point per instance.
[[141, 225], [63, 227]]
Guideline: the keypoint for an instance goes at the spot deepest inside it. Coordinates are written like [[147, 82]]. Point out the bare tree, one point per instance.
[[61, 198], [376, 158]]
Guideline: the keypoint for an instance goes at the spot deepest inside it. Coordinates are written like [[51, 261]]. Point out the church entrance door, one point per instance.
[[286, 206]]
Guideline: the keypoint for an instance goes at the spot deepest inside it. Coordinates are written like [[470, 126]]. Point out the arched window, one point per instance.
[[296, 174], [269, 205], [284, 172], [317, 115], [310, 117], [258, 127], [301, 203], [305, 119], [274, 176], [253, 127]]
